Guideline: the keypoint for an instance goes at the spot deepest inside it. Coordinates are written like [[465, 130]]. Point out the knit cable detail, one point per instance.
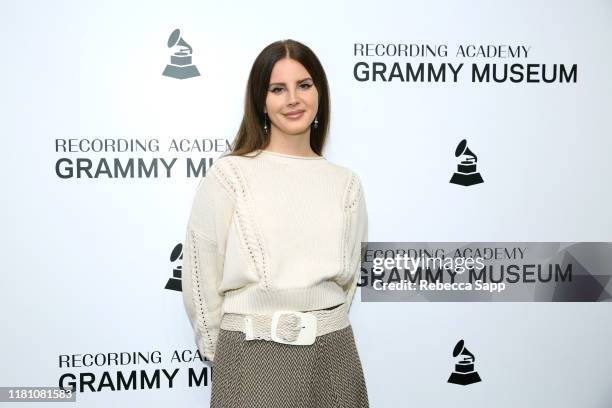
[[202, 311], [230, 176], [351, 199]]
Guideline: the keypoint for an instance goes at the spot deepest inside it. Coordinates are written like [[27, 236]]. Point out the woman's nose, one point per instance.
[[292, 97]]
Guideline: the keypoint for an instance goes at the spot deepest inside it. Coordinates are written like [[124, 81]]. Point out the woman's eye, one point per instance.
[[278, 89]]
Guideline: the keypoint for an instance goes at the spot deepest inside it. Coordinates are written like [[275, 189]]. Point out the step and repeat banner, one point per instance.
[[481, 131]]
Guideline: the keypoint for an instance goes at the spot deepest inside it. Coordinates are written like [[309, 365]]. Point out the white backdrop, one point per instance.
[[86, 260]]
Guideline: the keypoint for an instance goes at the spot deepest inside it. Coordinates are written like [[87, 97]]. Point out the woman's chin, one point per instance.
[[295, 129]]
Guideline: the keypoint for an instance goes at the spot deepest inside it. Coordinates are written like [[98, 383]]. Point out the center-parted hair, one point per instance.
[[251, 135]]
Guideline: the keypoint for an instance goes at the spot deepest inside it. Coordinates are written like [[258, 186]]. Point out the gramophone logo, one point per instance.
[[466, 174], [464, 373], [180, 66], [176, 256]]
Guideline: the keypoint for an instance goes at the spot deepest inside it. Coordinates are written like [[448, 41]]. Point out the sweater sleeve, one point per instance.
[[203, 259], [358, 233]]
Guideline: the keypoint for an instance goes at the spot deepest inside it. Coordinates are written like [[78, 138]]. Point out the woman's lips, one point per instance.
[[296, 115]]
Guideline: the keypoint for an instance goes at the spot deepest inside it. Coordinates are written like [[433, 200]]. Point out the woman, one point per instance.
[[276, 229]]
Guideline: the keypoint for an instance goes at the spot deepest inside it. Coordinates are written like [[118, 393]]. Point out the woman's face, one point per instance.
[[291, 90]]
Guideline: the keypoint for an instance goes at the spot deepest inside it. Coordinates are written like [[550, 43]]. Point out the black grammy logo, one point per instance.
[[466, 174], [464, 373], [175, 283]]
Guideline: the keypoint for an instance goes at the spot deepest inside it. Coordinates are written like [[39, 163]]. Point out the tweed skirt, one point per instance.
[[267, 374]]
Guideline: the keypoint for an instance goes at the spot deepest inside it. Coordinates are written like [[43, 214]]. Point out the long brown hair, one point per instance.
[[251, 136]]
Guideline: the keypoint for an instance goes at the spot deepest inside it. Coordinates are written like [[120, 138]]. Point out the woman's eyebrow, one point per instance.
[[297, 82]]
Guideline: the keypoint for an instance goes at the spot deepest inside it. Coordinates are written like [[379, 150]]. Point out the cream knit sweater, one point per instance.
[[271, 232]]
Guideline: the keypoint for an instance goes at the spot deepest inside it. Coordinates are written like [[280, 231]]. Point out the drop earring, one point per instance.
[[265, 124], [316, 122]]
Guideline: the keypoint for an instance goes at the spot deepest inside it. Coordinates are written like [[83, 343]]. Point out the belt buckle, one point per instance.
[[307, 324]]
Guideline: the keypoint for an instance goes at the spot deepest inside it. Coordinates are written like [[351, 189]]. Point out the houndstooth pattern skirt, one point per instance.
[[267, 374]]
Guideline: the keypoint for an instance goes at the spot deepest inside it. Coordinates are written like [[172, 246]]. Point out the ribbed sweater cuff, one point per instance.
[[256, 300]]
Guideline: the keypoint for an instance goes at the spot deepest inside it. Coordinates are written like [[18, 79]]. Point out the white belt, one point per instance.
[[288, 327]]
